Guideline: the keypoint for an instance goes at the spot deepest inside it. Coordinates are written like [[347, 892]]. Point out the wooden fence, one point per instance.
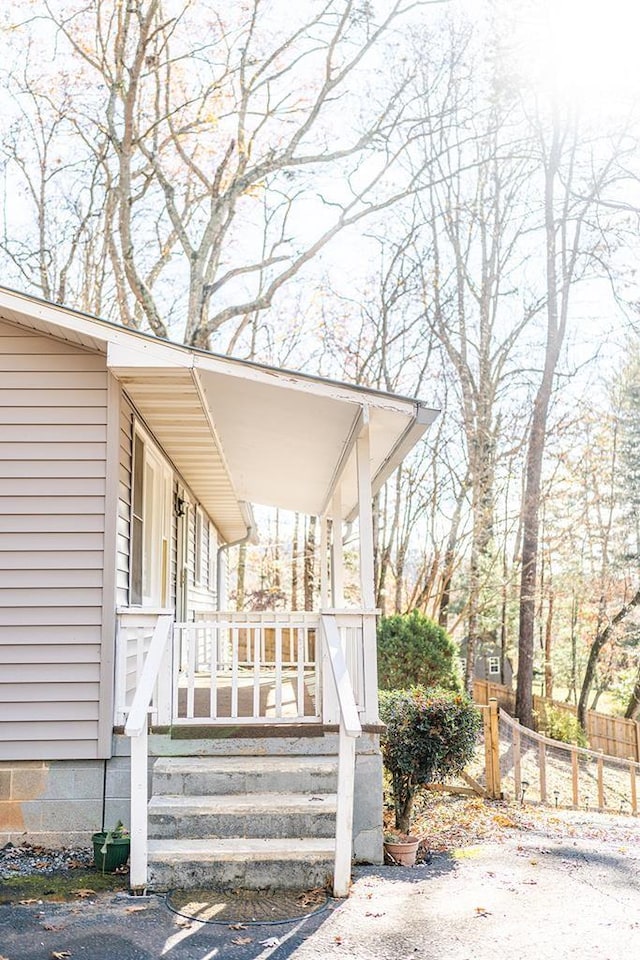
[[614, 736], [521, 764]]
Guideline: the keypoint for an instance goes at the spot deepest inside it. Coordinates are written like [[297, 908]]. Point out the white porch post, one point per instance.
[[138, 810], [337, 554], [367, 585]]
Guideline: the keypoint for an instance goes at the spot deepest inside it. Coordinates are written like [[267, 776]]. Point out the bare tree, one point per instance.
[[575, 178], [223, 145]]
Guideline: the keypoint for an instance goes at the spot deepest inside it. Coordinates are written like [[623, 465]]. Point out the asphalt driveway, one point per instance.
[[566, 890]]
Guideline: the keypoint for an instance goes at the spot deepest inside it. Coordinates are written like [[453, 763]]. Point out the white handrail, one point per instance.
[[136, 728], [139, 709], [340, 672], [350, 728]]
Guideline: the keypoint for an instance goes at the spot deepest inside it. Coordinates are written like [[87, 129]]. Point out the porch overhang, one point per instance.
[[241, 432]]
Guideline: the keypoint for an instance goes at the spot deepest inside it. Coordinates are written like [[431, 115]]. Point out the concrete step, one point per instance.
[[253, 864], [243, 815], [202, 776]]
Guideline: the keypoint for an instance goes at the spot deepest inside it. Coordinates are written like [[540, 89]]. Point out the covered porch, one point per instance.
[[242, 434]]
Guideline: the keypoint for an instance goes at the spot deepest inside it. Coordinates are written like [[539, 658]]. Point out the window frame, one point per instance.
[[150, 526]]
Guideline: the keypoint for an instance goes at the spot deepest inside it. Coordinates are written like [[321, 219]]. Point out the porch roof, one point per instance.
[[239, 431]]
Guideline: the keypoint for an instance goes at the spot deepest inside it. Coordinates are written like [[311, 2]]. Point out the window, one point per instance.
[[213, 543], [494, 666], [150, 524]]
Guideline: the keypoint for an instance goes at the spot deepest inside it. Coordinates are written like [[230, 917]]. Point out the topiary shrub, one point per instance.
[[563, 726], [429, 734], [412, 649]]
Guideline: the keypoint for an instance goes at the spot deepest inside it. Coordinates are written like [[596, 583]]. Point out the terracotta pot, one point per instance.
[[402, 852]]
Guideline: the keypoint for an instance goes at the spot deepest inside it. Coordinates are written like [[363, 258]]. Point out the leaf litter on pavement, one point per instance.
[[445, 822]]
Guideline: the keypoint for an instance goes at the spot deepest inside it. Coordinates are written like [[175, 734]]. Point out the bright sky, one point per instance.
[[591, 46]]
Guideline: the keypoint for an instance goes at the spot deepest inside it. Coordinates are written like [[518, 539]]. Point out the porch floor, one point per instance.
[[248, 689]]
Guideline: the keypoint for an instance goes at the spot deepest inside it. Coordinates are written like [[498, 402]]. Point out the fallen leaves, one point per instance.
[[482, 912], [503, 821], [134, 909], [241, 941], [84, 893], [312, 898]]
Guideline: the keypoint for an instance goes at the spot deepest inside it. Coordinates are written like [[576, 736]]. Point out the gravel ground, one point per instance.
[[28, 860]]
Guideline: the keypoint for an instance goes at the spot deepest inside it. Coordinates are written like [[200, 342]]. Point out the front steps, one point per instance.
[[242, 821]]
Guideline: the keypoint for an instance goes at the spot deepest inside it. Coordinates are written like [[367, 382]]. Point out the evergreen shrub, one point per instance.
[[429, 734], [413, 650]]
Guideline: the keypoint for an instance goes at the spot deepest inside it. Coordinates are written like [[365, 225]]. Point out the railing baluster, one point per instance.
[[257, 641], [213, 680], [278, 659], [235, 641], [191, 679], [301, 666]]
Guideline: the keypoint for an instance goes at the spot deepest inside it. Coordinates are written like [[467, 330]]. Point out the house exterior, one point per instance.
[[128, 467], [489, 662]]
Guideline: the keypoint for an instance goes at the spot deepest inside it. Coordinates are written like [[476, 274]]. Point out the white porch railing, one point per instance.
[[350, 730], [135, 630], [268, 667], [248, 668], [136, 728]]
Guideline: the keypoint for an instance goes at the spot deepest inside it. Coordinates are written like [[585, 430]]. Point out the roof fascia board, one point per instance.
[[322, 388], [169, 354], [58, 316], [132, 358]]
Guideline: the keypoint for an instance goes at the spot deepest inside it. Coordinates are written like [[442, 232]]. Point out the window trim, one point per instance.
[[149, 584], [491, 661]]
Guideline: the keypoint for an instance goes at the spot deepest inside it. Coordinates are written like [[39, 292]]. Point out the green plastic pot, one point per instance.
[[110, 852]]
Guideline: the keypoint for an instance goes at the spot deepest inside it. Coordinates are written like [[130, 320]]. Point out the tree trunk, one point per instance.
[[601, 638], [633, 707], [309, 564], [556, 325], [548, 635], [295, 557], [240, 576]]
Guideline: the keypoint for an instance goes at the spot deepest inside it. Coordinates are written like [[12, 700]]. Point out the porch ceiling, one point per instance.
[[285, 442]]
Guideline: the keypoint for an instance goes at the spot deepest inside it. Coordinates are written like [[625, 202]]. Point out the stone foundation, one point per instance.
[[59, 803]]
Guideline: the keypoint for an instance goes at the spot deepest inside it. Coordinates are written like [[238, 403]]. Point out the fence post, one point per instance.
[[517, 768], [488, 765], [492, 750], [600, 781], [542, 762], [574, 777]]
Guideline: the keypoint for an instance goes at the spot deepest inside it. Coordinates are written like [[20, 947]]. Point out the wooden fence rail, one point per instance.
[[521, 763], [614, 736]]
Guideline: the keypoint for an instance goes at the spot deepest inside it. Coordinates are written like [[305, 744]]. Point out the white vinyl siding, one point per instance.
[[53, 450], [124, 503]]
